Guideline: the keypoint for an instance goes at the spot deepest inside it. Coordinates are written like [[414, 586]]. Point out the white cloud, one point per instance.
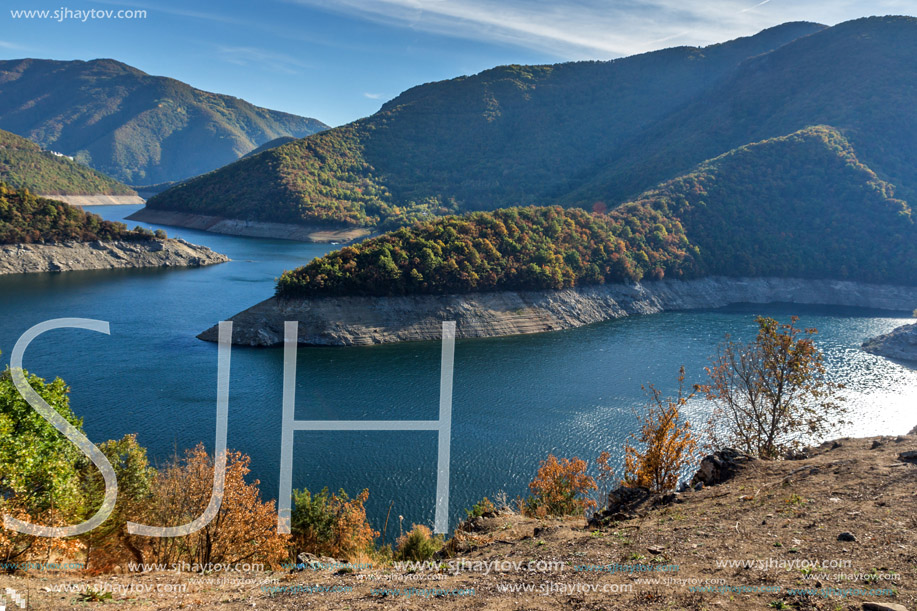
[[578, 29], [373, 96]]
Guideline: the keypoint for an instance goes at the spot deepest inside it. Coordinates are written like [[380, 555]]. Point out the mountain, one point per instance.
[[24, 165], [269, 145], [798, 206], [138, 128], [859, 76], [507, 136]]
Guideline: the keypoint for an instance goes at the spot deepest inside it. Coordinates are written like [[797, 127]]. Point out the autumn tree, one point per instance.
[[667, 442], [331, 524], [244, 529], [560, 488], [772, 394]]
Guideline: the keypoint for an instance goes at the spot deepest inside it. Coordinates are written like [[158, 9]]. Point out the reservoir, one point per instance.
[[516, 399]]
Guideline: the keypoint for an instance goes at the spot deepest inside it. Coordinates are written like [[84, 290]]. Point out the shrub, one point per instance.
[[480, 508], [109, 545], [331, 524], [244, 529], [667, 441], [772, 395], [418, 544], [560, 488]]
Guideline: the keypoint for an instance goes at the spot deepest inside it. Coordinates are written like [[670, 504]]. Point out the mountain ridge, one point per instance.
[[506, 136], [137, 127]]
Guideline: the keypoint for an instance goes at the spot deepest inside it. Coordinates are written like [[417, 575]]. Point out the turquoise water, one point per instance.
[[516, 399]]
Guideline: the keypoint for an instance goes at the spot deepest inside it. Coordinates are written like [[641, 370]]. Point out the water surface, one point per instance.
[[516, 399]]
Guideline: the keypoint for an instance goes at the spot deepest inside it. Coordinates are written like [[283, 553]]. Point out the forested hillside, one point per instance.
[[138, 128], [859, 76], [802, 205], [28, 219], [24, 165], [508, 136]]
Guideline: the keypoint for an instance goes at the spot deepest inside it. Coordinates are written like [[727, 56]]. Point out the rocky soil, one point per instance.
[[348, 321], [900, 344], [71, 256], [834, 531]]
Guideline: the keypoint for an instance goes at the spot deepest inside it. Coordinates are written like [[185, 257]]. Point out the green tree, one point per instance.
[[106, 544], [39, 467]]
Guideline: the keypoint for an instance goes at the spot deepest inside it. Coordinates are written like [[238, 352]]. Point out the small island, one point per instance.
[[899, 344], [45, 235]]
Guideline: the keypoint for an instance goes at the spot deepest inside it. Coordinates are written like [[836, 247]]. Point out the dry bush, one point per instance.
[[17, 547], [332, 524], [668, 446], [244, 529], [418, 544], [560, 488]]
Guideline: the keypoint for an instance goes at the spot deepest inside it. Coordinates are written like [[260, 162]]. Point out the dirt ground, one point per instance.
[[828, 532]]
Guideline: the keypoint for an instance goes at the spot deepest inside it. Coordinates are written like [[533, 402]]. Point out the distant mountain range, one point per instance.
[[24, 165], [585, 134], [138, 128]]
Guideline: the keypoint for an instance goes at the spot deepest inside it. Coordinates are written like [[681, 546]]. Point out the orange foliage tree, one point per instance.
[[244, 529], [668, 445], [560, 488], [331, 524]]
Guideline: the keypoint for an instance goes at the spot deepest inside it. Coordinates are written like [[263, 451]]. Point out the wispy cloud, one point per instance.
[[751, 8], [5, 44], [575, 29], [373, 96], [260, 58]]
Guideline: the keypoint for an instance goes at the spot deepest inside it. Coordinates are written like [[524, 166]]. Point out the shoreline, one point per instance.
[[97, 200], [250, 229], [80, 256], [362, 321]]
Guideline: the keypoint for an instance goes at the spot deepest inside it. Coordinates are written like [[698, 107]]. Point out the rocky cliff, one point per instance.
[[351, 321], [900, 344], [71, 256]]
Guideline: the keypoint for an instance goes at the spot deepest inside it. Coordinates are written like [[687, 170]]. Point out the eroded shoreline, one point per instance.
[[360, 321], [76, 256]]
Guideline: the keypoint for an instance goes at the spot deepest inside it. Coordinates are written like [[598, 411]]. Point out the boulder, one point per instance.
[[719, 467]]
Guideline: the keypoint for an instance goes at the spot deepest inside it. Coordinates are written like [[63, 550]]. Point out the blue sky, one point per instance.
[[338, 60]]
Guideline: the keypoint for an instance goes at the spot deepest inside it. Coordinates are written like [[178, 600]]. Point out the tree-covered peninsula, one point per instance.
[[801, 205]]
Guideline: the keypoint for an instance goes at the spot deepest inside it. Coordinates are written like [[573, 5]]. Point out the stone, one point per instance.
[[846, 536], [900, 344], [719, 467], [910, 456], [871, 606]]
